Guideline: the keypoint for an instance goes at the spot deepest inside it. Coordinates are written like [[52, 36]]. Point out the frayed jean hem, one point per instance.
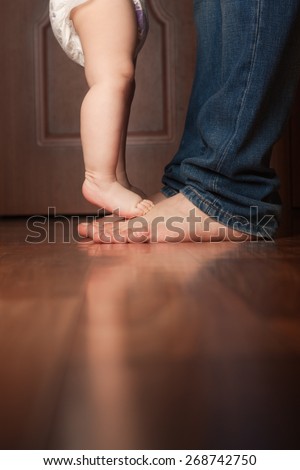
[[264, 228]]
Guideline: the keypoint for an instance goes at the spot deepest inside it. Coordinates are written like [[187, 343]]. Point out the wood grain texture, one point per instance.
[[148, 346]]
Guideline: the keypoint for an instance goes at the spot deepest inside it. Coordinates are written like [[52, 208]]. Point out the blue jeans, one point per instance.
[[247, 71]]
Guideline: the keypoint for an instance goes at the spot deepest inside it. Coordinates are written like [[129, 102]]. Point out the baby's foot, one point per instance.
[[138, 191], [122, 178], [113, 197]]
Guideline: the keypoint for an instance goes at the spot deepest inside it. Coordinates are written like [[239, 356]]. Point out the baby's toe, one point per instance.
[[148, 203], [144, 206]]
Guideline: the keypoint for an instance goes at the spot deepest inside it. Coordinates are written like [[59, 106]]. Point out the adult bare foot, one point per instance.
[[172, 220], [84, 230]]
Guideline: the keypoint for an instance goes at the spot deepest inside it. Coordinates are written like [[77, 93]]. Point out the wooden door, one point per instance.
[[41, 160]]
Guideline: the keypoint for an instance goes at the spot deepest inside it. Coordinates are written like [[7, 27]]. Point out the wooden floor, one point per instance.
[[187, 346]]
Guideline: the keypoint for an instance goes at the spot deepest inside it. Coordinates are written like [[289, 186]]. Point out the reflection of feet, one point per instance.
[[113, 197], [174, 219]]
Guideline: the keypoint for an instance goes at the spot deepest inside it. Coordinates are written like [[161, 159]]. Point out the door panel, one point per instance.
[[41, 159]]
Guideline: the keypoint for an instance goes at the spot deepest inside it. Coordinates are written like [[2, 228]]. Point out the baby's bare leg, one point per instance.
[[108, 33], [121, 172]]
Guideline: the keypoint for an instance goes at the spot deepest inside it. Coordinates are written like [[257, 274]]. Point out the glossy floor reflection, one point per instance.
[[148, 346]]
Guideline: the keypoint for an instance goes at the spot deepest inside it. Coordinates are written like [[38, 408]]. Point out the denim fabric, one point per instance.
[[247, 71]]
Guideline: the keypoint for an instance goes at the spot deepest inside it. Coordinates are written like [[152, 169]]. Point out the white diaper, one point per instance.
[[64, 31]]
